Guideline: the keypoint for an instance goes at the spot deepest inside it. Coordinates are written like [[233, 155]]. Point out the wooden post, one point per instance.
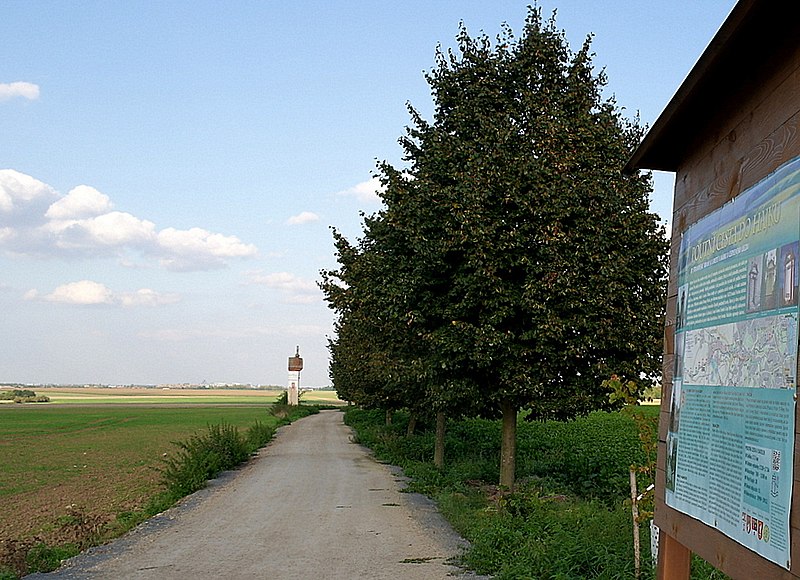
[[508, 449], [637, 552], [438, 448], [674, 559]]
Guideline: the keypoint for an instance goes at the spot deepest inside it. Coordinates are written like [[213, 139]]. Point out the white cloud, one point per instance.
[[198, 249], [19, 191], [25, 90], [36, 220], [305, 217], [198, 241], [301, 299], [88, 293], [110, 229], [281, 281], [84, 292], [366, 191], [81, 202]]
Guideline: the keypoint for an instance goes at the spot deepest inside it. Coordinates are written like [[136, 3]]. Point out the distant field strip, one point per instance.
[[127, 396]]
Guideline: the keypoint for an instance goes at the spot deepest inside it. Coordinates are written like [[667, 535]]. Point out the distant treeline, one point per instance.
[[23, 396]]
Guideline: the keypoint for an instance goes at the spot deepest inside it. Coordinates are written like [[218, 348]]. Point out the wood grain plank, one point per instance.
[[751, 121], [719, 550]]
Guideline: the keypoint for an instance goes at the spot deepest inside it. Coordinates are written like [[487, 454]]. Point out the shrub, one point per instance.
[[23, 396], [258, 435], [203, 457], [15, 394]]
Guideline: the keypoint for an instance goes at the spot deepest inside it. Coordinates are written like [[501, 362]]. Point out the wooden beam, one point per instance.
[[674, 559]]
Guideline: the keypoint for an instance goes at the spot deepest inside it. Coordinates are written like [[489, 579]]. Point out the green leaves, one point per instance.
[[513, 258]]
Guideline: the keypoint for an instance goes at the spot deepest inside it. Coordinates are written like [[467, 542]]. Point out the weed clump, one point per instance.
[[203, 457]]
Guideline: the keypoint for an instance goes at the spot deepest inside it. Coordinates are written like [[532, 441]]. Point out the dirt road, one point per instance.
[[312, 505]]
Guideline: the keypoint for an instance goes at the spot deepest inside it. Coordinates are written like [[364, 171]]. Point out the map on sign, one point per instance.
[[760, 352]]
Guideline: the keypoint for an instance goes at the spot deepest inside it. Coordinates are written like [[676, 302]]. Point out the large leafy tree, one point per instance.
[[514, 265], [557, 268]]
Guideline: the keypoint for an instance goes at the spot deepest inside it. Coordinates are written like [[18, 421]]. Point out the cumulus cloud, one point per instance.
[[197, 248], [20, 193], [90, 293], [366, 191], [305, 217], [111, 229], [147, 297], [36, 220], [25, 90], [281, 281], [83, 292], [81, 202]]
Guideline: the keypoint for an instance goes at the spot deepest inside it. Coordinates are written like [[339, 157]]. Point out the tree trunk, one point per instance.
[[412, 425], [508, 445], [438, 449], [388, 417]]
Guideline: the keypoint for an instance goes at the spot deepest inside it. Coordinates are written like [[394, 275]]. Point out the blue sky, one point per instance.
[[169, 170]]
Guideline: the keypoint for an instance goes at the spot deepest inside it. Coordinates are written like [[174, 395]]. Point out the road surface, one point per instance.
[[311, 505]]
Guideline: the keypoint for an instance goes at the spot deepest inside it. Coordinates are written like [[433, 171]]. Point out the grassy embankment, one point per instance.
[[569, 517], [72, 475]]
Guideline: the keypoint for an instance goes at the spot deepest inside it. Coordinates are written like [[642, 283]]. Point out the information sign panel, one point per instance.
[[730, 442]]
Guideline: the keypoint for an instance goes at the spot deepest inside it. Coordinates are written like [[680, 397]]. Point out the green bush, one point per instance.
[[259, 435], [590, 455], [552, 536], [23, 396], [16, 394], [203, 457]]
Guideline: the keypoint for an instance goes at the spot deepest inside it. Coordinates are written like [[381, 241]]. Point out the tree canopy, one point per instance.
[[514, 264]]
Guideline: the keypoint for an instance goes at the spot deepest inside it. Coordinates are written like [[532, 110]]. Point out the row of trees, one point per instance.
[[513, 265]]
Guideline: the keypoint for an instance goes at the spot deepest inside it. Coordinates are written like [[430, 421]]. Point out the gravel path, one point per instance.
[[312, 505]]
